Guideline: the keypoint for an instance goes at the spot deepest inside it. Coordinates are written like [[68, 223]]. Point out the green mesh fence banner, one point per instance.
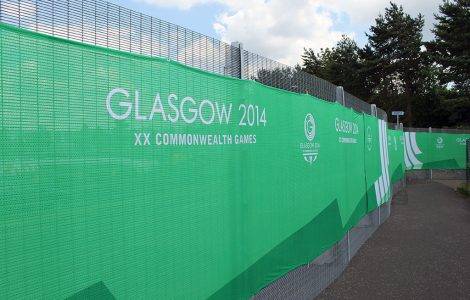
[[435, 150], [396, 147], [134, 177], [377, 169]]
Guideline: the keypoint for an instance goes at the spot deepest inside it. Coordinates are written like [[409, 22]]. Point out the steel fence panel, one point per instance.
[[436, 130], [105, 24]]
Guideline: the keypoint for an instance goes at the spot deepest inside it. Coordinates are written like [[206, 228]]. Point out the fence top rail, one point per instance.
[[436, 130]]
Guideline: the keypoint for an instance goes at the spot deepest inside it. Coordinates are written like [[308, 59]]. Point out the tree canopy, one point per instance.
[[397, 70]]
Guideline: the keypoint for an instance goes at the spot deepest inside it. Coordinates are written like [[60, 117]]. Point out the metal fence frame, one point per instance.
[[104, 24], [436, 130], [308, 281], [109, 25], [436, 174]]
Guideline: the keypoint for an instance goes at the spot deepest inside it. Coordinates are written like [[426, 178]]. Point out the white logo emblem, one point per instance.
[[310, 148], [309, 127], [439, 142]]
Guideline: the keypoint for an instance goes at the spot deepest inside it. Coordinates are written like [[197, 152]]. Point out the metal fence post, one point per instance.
[[237, 70], [341, 99], [404, 178], [340, 95], [468, 163], [430, 170], [374, 113], [378, 215], [399, 126], [373, 110]]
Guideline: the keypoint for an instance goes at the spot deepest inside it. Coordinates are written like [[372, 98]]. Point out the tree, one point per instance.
[[283, 77], [397, 71], [340, 65], [450, 52], [451, 47], [399, 68], [312, 62]]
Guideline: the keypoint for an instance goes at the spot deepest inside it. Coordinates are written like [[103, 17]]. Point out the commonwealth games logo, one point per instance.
[[439, 142], [309, 127], [310, 148]]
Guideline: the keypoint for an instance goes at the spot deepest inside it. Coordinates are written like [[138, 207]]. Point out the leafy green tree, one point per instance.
[[451, 46], [399, 67], [450, 52], [284, 77], [312, 62], [340, 65], [398, 71]]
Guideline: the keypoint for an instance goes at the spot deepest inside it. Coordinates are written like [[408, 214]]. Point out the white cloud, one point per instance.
[[276, 29], [364, 12], [181, 4], [11, 10], [280, 29]]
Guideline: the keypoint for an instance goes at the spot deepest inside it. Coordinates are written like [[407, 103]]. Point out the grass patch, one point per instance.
[[464, 189]]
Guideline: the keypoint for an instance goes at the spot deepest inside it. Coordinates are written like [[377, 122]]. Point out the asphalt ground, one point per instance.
[[421, 252]]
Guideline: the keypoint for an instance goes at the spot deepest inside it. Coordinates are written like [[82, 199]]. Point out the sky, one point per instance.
[[280, 29]]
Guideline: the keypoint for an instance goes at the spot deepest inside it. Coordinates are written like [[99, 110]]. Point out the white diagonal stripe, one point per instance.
[[414, 145], [377, 192], [382, 157], [387, 162], [405, 154], [416, 163]]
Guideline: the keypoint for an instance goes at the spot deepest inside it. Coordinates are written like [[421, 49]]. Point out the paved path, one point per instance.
[[421, 252]]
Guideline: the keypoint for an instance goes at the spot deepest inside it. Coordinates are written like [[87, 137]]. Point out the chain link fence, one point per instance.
[[104, 24]]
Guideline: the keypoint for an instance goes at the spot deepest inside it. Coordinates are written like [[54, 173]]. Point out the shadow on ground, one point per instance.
[[421, 252]]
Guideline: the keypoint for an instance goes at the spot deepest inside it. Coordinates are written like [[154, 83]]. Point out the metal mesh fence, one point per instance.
[[381, 114], [276, 74], [104, 24], [434, 174], [450, 130], [394, 126], [308, 281], [357, 104], [101, 23], [439, 130]]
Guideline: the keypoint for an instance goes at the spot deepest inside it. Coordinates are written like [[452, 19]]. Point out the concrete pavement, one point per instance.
[[421, 252]]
